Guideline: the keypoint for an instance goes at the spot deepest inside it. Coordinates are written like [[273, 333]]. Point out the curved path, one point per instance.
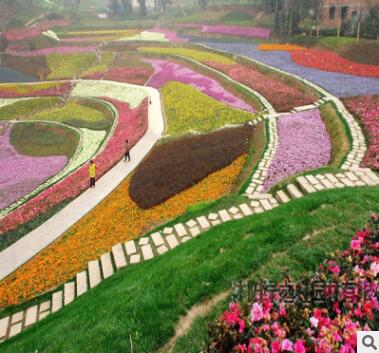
[[28, 246]]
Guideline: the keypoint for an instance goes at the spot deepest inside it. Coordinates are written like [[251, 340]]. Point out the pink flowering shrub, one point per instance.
[[367, 109], [134, 75], [35, 31], [57, 89], [270, 324], [132, 125]]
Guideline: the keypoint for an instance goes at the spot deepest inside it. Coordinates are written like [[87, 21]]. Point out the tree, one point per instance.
[[203, 4], [142, 7]]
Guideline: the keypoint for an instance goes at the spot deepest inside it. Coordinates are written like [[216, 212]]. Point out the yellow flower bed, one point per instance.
[[280, 47], [121, 32], [188, 109], [199, 55], [116, 219]]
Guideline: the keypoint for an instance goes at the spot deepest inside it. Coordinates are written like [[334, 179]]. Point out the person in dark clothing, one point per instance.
[[127, 151]]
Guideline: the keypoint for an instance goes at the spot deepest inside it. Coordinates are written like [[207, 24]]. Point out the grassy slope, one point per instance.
[[145, 301]]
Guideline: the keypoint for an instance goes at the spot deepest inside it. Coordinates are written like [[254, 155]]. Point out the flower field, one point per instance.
[[114, 220], [169, 35], [303, 144], [17, 51], [280, 47], [35, 90], [133, 75], [330, 61], [166, 71], [188, 110], [24, 173], [367, 110], [251, 32], [273, 324]]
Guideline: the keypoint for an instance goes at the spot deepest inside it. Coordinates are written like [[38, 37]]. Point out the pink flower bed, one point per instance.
[[367, 109], [170, 35], [60, 89], [303, 145], [282, 96], [23, 173], [134, 75], [17, 51], [166, 71], [132, 125], [345, 290], [252, 32], [330, 61], [35, 31]]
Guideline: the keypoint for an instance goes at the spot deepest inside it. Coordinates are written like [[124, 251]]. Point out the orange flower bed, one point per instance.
[[116, 219], [280, 47]]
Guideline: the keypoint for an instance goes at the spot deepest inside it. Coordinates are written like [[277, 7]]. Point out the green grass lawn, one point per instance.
[[144, 302]]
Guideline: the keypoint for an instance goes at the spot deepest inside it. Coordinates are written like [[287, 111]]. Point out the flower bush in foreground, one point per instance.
[[367, 109], [303, 144], [116, 219], [253, 32], [330, 61], [280, 47], [132, 125], [272, 325], [166, 71], [35, 90]]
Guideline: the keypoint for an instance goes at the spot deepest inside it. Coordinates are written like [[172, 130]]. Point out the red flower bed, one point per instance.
[[132, 125], [134, 75], [367, 109], [282, 96], [329, 61], [23, 33], [51, 90], [325, 314]]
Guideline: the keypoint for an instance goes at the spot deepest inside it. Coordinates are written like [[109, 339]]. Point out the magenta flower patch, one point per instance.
[[303, 145], [252, 32], [22, 174], [166, 71]]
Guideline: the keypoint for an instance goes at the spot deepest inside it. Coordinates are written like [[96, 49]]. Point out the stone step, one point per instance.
[[225, 217], [69, 293], [94, 273], [57, 301], [81, 283], [266, 204], [203, 222], [147, 252], [305, 185], [118, 256], [15, 329], [130, 247], [106, 265], [282, 196], [294, 191], [246, 210], [4, 324], [157, 239], [172, 241], [180, 230]]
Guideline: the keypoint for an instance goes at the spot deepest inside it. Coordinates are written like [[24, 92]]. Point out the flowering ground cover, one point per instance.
[[303, 144], [326, 60], [132, 125], [170, 35], [252, 32], [340, 85], [96, 36], [114, 220], [146, 36], [166, 71], [23, 173], [35, 90], [367, 110], [133, 75], [17, 51], [175, 166], [33, 67], [272, 324], [188, 110], [280, 47], [23, 33]]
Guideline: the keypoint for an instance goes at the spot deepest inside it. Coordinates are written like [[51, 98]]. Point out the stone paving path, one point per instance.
[[160, 242]]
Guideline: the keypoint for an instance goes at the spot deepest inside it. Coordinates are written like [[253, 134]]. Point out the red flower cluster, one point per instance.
[[350, 296], [330, 61], [367, 109], [282, 96], [23, 33], [57, 89], [134, 75], [132, 125]]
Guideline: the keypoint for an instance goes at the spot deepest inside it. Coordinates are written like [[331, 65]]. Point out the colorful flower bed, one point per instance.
[[18, 51], [146, 36], [252, 32], [340, 85], [116, 219], [330, 61], [35, 31], [303, 144], [134, 75], [194, 54], [280, 94], [280, 47], [189, 110], [166, 71], [169, 35], [35, 90], [348, 302], [367, 109], [23, 173]]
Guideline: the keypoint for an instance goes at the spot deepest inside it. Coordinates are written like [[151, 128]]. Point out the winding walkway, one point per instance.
[[31, 244]]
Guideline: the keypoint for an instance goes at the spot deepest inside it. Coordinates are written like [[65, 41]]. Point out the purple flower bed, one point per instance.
[[22, 174], [340, 85], [166, 71], [253, 32], [170, 35], [303, 145], [14, 50]]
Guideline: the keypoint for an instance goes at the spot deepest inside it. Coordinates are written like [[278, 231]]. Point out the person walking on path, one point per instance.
[[127, 151], [92, 173]]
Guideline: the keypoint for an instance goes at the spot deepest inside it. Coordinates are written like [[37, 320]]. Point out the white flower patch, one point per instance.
[[115, 90], [146, 36], [51, 34]]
